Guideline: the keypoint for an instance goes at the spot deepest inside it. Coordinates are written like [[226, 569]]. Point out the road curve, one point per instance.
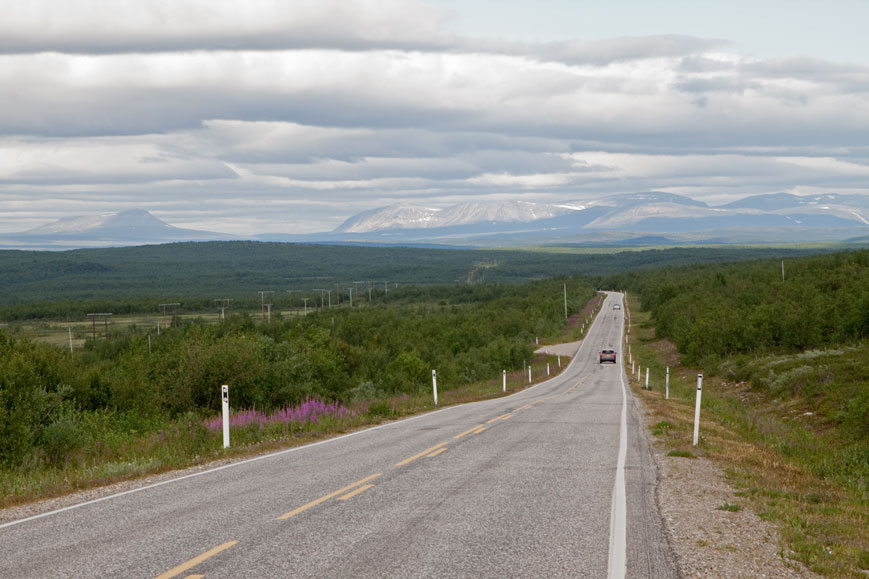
[[554, 481]]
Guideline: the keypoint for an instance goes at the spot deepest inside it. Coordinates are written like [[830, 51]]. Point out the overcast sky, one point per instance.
[[255, 116]]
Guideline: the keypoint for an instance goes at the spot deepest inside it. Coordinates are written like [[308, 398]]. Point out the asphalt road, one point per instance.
[[522, 486]]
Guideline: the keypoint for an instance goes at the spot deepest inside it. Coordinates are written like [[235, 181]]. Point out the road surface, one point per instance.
[[554, 481]]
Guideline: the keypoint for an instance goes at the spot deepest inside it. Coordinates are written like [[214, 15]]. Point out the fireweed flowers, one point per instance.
[[309, 412]]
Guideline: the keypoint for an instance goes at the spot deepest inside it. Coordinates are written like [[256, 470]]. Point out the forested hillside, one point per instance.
[[722, 310], [66, 285]]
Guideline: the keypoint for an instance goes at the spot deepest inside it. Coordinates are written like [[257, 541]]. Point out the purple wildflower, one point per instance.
[[308, 412]]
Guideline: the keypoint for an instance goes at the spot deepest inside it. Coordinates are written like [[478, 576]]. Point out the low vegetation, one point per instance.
[[137, 403], [785, 392]]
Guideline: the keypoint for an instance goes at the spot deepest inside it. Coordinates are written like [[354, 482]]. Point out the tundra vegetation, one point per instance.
[[785, 394]]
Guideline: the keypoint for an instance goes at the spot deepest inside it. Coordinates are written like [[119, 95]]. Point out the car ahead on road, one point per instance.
[[607, 356], [617, 307]]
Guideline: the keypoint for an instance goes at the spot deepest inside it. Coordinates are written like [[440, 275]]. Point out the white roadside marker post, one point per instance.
[[547, 368], [503, 380], [697, 409], [632, 367], [225, 397], [647, 378], [667, 385], [639, 370], [529, 373], [434, 386], [559, 361]]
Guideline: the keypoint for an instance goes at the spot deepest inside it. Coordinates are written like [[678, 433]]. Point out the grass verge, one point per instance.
[[780, 436]]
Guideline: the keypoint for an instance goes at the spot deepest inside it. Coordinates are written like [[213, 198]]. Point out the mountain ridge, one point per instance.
[[631, 217]]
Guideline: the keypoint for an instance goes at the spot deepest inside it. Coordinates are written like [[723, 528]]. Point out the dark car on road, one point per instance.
[[607, 356]]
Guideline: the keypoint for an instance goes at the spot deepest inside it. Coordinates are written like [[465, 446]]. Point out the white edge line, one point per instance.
[[617, 565], [280, 452]]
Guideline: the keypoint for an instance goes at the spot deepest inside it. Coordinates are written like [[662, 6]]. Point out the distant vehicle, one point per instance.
[[607, 356], [617, 307]]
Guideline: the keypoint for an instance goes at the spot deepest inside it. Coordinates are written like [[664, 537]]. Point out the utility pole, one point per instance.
[[306, 305], [323, 297], [174, 313], [356, 287], [105, 318], [351, 296], [224, 305], [262, 298], [369, 291], [565, 301]]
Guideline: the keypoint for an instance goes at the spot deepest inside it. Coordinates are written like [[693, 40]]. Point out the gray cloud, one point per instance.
[[138, 26], [281, 116], [623, 49]]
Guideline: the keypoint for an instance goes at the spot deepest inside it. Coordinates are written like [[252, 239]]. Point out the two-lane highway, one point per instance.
[[555, 481]]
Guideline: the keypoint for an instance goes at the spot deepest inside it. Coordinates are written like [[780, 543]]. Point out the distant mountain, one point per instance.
[[625, 218], [414, 217], [401, 217], [646, 218], [785, 201], [627, 200], [131, 227]]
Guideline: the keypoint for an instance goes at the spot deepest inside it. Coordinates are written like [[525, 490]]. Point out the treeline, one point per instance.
[[712, 312], [133, 381]]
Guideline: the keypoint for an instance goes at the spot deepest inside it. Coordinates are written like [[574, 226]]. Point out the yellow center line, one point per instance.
[[423, 453], [195, 561], [323, 499], [507, 416], [497, 418], [194, 577], [479, 429], [437, 452], [467, 432], [352, 494]]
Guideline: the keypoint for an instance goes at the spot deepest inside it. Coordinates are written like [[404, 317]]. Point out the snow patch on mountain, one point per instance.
[[413, 217]]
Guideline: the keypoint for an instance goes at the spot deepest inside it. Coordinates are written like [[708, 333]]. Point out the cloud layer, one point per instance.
[[278, 116]]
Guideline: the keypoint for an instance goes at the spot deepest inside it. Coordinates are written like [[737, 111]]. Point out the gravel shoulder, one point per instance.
[[709, 541]]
